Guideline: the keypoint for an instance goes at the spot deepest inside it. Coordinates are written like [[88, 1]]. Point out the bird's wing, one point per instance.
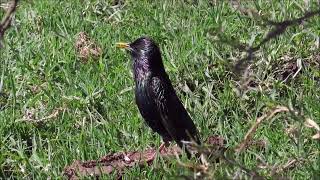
[[173, 115], [159, 92]]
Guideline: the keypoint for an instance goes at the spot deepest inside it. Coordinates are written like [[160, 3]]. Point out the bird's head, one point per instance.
[[145, 53]]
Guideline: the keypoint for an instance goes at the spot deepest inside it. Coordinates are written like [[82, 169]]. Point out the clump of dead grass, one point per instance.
[[86, 48]]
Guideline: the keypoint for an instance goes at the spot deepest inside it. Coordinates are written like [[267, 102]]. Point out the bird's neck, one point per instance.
[[141, 71]]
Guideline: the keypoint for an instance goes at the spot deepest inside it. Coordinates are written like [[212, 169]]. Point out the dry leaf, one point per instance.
[[316, 136], [312, 124]]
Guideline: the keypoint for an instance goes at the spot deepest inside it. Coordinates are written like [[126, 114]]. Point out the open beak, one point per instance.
[[122, 45]]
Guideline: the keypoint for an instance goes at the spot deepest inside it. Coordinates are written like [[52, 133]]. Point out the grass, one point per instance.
[[97, 114]]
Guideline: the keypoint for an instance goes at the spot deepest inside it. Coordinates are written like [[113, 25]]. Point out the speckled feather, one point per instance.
[[156, 98]]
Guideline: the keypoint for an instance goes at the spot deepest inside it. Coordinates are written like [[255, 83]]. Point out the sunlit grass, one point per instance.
[[97, 113]]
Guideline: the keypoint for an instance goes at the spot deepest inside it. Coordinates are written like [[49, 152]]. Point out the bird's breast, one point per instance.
[[144, 101]]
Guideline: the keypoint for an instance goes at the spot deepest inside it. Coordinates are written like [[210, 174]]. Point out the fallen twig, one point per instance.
[[254, 127]]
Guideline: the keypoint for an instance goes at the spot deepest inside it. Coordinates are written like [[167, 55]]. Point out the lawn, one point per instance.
[[56, 107]]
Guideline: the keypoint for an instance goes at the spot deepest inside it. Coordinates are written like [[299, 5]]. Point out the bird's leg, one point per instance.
[[161, 148]]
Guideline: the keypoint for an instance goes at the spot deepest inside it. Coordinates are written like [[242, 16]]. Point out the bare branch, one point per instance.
[[279, 28], [6, 21]]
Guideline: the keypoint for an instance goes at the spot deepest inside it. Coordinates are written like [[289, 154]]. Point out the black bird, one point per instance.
[[155, 96]]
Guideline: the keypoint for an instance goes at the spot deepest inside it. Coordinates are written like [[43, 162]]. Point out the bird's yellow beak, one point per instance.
[[122, 45]]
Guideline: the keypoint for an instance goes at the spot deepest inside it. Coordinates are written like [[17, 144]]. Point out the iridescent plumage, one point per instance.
[[156, 98]]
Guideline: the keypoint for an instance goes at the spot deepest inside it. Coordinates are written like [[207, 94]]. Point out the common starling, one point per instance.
[[155, 96]]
